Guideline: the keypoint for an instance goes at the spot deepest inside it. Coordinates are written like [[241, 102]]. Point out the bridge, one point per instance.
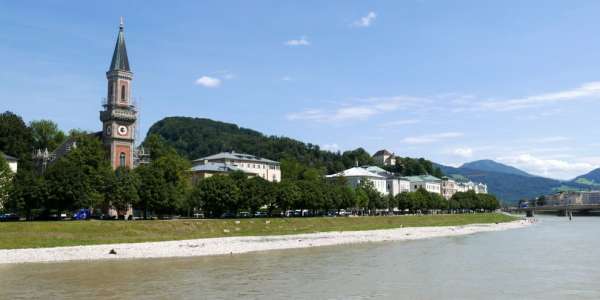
[[562, 209]]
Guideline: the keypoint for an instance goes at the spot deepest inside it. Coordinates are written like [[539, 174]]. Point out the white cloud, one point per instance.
[[465, 152], [209, 82], [399, 123], [361, 109], [585, 90], [548, 167], [551, 139], [366, 21], [303, 41], [431, 138]]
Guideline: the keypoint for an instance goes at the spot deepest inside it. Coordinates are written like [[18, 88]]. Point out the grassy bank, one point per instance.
[[70, 233]]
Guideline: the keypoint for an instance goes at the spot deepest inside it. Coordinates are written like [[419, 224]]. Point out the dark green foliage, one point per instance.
[[46, 135], [29, 194], [407, 166], [16, 139], [122, 190], [79, 179], [164, 183], [472, 201], [6, 181], [216, 195]]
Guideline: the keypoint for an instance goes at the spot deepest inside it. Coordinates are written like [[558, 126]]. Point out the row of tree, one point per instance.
[[84, 179]]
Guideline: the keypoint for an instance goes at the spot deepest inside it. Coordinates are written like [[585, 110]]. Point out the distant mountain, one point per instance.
[[592, 178], [492, 166], [507, 184]]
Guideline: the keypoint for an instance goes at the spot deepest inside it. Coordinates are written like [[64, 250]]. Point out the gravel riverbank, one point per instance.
[[235, 245]]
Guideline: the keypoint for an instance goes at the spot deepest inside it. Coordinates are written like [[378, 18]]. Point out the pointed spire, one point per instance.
[[119, 59]]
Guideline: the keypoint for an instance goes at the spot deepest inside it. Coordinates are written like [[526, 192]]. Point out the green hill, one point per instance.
[[197, 137]]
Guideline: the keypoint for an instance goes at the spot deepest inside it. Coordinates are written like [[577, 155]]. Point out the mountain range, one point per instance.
[[511, 184]]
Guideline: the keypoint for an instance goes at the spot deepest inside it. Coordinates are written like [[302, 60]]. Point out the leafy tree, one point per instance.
[[29, 196], [287, 194], [256, 192], [6, 181], [46, 135], [164, 182], [16, 139], [402, 201], [80, 178], [123, 190], [216, 195]]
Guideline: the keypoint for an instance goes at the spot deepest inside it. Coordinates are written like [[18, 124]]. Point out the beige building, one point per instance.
[[227, 162], [449, 187], [385, 158]]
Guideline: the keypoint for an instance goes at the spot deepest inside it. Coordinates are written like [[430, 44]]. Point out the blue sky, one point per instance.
[[452, 81]]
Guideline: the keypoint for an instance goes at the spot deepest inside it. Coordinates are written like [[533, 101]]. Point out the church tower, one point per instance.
[[119, 115]]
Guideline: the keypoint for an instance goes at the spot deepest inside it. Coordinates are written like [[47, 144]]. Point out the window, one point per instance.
[[122, 159], [123, 93]]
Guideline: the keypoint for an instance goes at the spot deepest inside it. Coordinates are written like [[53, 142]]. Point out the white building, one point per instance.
[[478, 188], [430, 183], [225, 162], [356, 175], [13, 163]]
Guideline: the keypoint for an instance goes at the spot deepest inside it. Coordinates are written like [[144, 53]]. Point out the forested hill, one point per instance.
[[197, 137]]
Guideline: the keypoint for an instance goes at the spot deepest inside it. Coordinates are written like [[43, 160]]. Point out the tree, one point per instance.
[[256, 192], [164, 182], [16, 139], [123, 190], [80, 178], [402, 201], [216, 195], [287, 194], [29, 196], [6, 181], [46, 135]]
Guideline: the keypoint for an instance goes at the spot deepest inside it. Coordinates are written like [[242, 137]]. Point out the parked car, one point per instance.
[[245, 214], [228, 215], [260, 214], [9, 218]]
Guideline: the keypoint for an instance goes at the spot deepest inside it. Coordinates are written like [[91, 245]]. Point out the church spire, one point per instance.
[[119, 60]]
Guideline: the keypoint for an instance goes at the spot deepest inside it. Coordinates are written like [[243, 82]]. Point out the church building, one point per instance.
[[119, 115]]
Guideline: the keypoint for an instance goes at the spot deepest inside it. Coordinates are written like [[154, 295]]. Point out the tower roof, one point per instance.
[[119, 60]]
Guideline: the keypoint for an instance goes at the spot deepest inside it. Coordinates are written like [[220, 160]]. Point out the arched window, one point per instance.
[[122, 159], [123, 93]]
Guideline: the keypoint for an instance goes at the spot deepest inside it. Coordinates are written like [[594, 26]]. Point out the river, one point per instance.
[[554, 259]]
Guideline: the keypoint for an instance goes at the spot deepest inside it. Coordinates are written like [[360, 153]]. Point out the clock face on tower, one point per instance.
[[122, 130]]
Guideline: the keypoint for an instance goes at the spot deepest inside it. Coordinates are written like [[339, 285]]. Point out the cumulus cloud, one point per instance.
[[431, 138], [465, 152], [548, 167], [303, 41], [366, 21], [209, 82]]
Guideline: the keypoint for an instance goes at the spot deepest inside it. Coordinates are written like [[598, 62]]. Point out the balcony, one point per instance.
[[118, 114]]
